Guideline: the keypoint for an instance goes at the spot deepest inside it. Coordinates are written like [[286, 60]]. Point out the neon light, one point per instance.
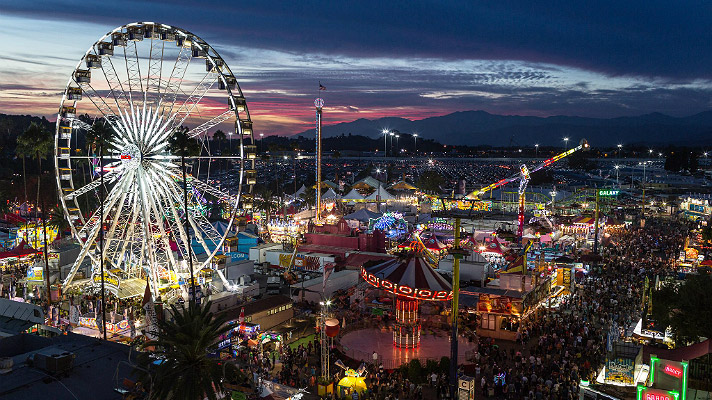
[[670, 370]]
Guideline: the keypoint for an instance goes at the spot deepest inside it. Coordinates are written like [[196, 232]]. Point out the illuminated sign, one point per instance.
[[35, 274], [608, 192], [656, 394], [404, 290], [670, 370], [125, 157], [111, 281]]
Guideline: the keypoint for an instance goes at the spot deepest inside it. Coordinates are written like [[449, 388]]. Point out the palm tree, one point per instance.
[[99, 139], [265, 202], [36, 142], [181, 144], [56, 220], [185, 372], [219, 138]]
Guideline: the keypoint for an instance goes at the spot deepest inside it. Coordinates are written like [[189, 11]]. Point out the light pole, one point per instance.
[[536, 153], [391, 134], [415, 144], [397, 136], [378, 196], [566, 141], [385, 142], [620, 146], [617, 167], [262, 135]]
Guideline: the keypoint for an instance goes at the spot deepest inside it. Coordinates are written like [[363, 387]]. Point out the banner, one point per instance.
[[111, 281], [620, 370], [35, 274]]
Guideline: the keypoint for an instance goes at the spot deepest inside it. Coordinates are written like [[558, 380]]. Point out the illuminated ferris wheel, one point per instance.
[[145, 81]]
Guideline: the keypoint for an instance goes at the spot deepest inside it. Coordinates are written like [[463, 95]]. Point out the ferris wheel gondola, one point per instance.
[[146, 80]]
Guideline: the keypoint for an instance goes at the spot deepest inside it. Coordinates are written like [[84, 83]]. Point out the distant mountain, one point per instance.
[[482, 128]]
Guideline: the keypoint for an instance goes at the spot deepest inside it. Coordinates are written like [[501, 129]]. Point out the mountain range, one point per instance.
[[475, 128]]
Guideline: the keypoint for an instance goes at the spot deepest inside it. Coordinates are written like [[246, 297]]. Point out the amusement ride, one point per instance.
[[147, 81]]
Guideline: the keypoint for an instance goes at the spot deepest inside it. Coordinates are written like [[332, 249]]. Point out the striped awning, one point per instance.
[[412, 277]]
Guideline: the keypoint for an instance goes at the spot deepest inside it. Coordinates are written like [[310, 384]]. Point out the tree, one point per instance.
[[430, 181], [185, 371], [35, 142], [265, 202], [180, 144], [686, 308], [56, 220]]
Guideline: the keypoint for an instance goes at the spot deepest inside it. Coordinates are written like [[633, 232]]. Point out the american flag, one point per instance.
[[321, 87]]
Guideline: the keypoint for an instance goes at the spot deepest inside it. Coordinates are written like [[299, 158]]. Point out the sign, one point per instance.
[[35, 274], [111, 281], [608, 192], [656, 394], [620, 370], [670, 370], [404, 290]]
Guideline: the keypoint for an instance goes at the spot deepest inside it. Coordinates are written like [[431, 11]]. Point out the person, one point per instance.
[[374, 357]]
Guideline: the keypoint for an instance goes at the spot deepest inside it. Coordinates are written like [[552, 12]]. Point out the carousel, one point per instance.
[[411, 280]]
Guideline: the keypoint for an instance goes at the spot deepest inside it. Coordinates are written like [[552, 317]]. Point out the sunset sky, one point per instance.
[[409, 59]]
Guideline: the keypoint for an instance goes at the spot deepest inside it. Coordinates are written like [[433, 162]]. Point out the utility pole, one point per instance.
[[319, 104], [595, 234], [455, 310]]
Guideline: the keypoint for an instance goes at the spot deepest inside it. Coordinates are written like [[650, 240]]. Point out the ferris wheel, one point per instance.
[[145, 81]]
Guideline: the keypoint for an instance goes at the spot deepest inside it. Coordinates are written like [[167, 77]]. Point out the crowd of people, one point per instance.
[[557, 347]]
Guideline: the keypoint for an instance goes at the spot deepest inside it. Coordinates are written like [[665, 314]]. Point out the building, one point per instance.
[[268, 312]]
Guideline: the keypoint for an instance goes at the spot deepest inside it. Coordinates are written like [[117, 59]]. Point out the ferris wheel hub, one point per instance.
[[131, 157]]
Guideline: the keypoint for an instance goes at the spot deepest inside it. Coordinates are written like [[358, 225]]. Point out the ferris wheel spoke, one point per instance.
[[89, 186], [117, 215], [206, 83], [155, 69], [148, 245], [159, 217], [133, 70], [170, 94], [127, 234], [116, 89], [98, 103], [217, 120]]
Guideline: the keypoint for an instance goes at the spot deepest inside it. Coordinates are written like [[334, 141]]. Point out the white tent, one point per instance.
[[362, 215], [382, 192], [352, 195], [330, 195], [299, 192]]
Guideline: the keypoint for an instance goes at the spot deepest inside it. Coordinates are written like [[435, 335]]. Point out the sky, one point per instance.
[[410, 59]]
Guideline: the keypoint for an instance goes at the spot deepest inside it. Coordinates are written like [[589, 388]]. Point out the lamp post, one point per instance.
[[397, 136], [566, 142], [536, 153], [262, 135], [385, 142], [415, 144], [391, 134], [620, 146], [617, 167]]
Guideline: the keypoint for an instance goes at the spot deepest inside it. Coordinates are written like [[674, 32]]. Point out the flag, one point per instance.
[[321, 87], [328, 268]]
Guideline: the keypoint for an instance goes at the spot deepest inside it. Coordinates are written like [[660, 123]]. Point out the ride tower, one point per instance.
[[319, 104]]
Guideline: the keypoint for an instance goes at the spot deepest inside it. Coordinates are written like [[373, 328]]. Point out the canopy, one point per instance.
[[412, 277], [300, 191], [20, 250], [363, 215], [330, 195], [352, 195], [402, 185], [367, 182], [382, 192], [584, 220]]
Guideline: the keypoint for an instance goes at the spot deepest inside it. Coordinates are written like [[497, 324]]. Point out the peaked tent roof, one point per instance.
[[413, 272], [382, 192], [353, 195], [363, 215], [368, 181], [300, 191], [330, 194], [402, 185]]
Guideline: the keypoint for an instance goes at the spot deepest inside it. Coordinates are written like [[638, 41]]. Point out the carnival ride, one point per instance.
[[145, 80], [411, 279], [524, 176]]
